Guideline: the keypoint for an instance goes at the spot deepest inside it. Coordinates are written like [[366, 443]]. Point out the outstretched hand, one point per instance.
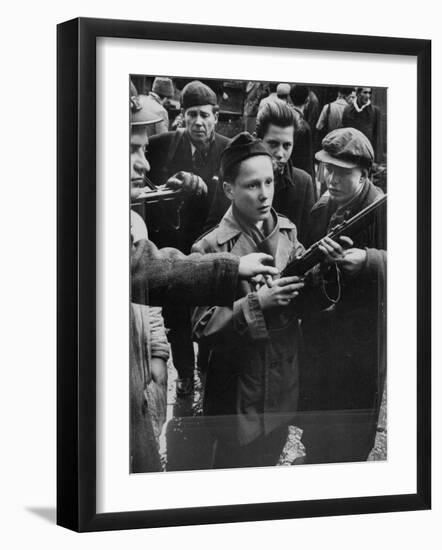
[[255, 264], [281, 293]]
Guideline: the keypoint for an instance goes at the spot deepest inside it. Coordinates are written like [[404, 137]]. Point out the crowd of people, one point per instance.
[[207, 268]]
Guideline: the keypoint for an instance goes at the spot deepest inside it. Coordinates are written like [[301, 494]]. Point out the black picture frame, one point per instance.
[[76, 273]]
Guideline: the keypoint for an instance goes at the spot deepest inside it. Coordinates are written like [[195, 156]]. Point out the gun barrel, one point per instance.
[[348, 228]]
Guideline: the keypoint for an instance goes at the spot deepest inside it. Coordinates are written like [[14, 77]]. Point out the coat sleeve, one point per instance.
[[166, 276], [228, 325]]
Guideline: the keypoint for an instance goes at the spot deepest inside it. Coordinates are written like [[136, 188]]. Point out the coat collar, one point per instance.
[[229, 229]]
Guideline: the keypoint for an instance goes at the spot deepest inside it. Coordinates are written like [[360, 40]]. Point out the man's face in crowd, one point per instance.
[[200, 123], [279, 143], [139, 165], [342, 183], [351, 97], [364, 96], [252, 191]]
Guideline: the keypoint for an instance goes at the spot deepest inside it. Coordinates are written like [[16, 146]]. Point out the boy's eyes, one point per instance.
[[275, 144]]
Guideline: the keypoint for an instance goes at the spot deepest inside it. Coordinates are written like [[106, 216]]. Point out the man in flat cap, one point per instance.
[[343, 370], [252, 377], [190, 155]]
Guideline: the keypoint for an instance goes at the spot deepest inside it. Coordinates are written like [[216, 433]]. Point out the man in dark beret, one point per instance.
[[343, 370], [252, 377], [190, 155]]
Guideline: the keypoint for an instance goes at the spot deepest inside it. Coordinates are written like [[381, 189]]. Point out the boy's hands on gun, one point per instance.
[[279, 292]]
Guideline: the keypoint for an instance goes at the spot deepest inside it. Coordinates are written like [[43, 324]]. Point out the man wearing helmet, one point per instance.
[[161, 277]]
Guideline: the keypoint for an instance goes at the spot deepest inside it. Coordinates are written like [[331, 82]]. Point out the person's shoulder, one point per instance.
[[300, 176], [321, 203], [374, 192], [287, 228], [159, 141], [208, 241], [285, 223], [221, 140]]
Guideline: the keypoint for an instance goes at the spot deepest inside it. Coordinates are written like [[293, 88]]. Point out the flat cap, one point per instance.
[[346, 147], [239, 148], [141, 111], [196, 93], [163, 86]]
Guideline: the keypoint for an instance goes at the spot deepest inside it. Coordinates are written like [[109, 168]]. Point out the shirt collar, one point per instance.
[[229, 229], [360, 109], [193, 149]]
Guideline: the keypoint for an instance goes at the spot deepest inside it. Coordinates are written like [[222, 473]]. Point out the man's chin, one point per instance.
[[263, 215], [200, 138]]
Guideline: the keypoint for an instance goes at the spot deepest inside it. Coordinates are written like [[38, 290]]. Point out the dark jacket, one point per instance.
[[344, 363], [293, 198], [302, 155], [252, 377], [168, 154], [367, 121], [161, 277]]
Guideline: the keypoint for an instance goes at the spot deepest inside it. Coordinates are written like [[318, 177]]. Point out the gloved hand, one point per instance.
[[188, 183]]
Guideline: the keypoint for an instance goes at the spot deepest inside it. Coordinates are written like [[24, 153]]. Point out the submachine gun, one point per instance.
[[348, 228]]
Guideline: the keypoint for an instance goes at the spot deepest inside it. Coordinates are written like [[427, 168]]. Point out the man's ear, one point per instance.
[[216, 117], [227, 186]]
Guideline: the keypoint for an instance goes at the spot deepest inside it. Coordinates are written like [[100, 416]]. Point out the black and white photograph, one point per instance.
[[258, 246]]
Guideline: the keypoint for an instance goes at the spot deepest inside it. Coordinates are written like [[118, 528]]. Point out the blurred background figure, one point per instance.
[[331, 114], [365, 117], [283, 91], [302, 155], [162, 91]]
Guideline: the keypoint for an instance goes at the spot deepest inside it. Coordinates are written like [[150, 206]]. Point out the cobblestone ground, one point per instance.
[[178, 409]]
